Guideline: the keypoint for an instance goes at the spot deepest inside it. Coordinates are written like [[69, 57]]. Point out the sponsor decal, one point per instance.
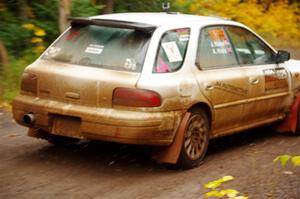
[[219, 42], [276, 79], [172, 51], [94, 49], [231, 88]]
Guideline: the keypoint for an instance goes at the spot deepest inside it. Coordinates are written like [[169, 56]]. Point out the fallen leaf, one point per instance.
[[226, 178], [212, 185], [240, 197], [283, 159], [230, 192], [214, 193], [296, 160]]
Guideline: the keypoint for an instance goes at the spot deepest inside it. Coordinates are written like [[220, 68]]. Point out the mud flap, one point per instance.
[[290, 123], [171, 153]]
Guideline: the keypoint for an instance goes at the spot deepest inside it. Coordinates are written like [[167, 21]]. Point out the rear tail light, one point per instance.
[[136, 97], [29, 83]]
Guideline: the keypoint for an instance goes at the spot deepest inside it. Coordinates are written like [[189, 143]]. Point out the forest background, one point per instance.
[[27, 27]]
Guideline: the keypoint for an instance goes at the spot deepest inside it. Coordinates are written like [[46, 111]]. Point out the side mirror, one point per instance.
[[282, 56]]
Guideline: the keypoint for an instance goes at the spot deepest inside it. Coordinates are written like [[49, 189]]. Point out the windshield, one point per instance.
[[103, 47]]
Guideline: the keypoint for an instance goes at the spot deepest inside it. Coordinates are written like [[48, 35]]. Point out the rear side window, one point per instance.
[[172, 50], [102, 47], [250, 49], [214, 49]]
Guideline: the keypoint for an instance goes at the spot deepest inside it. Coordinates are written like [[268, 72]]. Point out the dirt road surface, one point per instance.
[[32, 168]]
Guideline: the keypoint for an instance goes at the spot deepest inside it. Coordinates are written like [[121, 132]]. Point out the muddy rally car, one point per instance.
[[168, 80]]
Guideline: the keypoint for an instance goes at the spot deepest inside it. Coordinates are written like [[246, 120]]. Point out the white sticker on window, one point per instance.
[[52, 51], [172, 51], [243, 50], [130, 64], [94, 49], [185, 37], [259, 52], [219, 43]]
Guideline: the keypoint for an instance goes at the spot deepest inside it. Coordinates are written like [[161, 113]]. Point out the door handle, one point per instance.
[[253, 80]]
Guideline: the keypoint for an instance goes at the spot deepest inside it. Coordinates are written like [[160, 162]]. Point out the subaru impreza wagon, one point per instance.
[[161, 79]]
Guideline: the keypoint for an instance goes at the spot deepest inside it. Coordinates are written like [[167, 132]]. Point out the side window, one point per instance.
[[250, 49], [171, 51], [214, 49]]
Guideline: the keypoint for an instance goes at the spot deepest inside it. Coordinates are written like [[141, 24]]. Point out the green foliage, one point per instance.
[[10, 32], [16, 38], [10, 77], [46, 17], [84, 8], [138, 6]]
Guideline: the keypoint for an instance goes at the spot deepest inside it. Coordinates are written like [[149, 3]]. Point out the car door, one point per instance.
[[221, 79], [268, 82]]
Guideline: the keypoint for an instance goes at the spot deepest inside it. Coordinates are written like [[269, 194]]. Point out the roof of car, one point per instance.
[[157, 19]]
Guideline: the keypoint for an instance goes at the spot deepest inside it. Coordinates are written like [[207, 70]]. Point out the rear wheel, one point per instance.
[[196, 139]]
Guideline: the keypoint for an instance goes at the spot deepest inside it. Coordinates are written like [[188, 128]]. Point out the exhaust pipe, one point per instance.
[[29, 119]]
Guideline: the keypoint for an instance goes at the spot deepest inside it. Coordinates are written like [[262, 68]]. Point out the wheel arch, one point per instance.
[[204, 106]]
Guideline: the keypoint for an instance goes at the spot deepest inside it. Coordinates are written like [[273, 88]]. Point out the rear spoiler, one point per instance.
[[147, 28]]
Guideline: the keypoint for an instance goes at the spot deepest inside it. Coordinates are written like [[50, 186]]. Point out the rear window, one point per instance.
[[102, 47]]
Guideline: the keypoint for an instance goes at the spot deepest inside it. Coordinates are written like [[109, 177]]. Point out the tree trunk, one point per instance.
[[3, 56], [109, 6], [23, 9], [64, 10]]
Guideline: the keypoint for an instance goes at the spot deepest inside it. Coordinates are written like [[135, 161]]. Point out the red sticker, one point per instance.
[[71, 35]]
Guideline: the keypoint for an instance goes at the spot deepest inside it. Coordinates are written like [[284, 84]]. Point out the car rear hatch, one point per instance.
[[91, 59], [79, 84]]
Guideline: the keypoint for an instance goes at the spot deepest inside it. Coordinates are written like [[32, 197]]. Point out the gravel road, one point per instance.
[[32, 168]]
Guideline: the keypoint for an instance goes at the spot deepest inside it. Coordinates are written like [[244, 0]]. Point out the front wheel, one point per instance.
[[195, 141]]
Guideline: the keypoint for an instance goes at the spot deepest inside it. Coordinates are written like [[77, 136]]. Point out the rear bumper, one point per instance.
[[85, 122]]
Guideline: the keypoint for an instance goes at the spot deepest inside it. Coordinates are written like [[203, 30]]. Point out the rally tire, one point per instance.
[[195, 140]]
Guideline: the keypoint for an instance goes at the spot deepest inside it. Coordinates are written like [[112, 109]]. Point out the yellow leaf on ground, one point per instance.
[[226, 178], [283, 159], [230, 192], [214, 193], [240, 197], [212, 185], [296, 160]]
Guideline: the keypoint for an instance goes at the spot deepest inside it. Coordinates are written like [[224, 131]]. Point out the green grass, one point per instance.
[[10, 76]]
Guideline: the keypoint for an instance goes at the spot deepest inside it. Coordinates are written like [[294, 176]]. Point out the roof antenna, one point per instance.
[[166, 6]]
